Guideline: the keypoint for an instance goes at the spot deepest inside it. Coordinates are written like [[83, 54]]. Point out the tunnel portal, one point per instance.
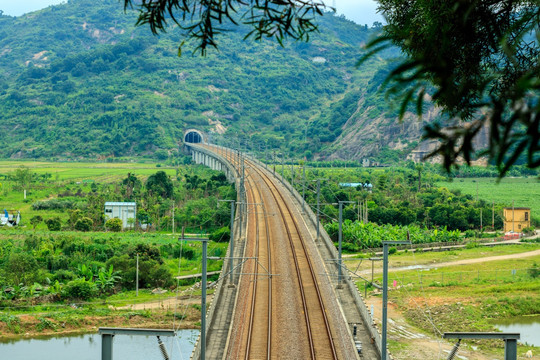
[[193, 137]]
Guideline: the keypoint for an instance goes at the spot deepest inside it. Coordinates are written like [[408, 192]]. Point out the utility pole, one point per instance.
[[513, 219], [340, 238], [384, 350], [373, 259], [480, 219], [304, 190], [137, 278], [366, 212], [173, 217], [282, 167], [231, 244], [266, 156], [203, 300], [240, 206], [292, 174], [318, 206], [203, 293], [493, 215]]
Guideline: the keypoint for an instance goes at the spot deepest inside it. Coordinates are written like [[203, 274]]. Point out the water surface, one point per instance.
[[88, 347], [527, 326]]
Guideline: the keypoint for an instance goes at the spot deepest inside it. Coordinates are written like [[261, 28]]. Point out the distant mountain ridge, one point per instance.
[[77, 80]]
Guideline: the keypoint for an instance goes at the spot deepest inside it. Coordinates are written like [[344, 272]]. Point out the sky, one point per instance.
[[360, 11], [17, 8]]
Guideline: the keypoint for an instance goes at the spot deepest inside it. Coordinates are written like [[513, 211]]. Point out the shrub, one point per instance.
[[79, 289], [534, 271], [54, 224], [221, 235], [84, 224], [114, 225], [57, 204], [146, 252], [160, 277], [529, 230], [35, 221], [471, 245], [63, 275], [185, 251], [21, 267]]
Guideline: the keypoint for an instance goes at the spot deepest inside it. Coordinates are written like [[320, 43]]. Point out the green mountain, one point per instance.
[[77, 80]]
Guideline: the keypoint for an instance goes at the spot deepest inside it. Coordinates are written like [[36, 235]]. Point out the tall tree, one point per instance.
[[479, 61], [22, 176], [160, 184]]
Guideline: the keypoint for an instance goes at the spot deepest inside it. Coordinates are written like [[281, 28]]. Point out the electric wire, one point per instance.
[[426, 314]]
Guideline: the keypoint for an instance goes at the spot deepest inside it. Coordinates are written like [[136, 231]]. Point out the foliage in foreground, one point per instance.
[[479, 61]]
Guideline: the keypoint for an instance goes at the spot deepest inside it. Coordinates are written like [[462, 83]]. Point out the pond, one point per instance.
[[88, 347], [527, 326]]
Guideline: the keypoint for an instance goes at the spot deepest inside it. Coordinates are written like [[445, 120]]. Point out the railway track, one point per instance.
[[258, 342], [282, 316]]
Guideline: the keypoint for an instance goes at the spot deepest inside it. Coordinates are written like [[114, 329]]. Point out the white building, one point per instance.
[[122, 210]]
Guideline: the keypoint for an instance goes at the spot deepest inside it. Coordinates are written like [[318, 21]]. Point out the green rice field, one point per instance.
[[99, 172]]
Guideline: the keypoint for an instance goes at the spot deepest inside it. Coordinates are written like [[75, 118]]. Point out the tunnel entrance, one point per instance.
[[193, 137]]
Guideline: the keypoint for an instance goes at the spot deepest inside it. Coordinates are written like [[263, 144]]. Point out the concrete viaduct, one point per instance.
[[268, 309]]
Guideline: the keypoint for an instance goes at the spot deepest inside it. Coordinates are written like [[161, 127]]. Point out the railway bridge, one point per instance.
[[283, 300]]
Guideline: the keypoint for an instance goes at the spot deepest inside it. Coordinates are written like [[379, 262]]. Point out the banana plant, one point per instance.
[[106, 280], [85, 272]]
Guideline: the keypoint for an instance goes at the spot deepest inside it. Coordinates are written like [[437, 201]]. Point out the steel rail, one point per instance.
[[271, 185], [286, 214], [256, 194]]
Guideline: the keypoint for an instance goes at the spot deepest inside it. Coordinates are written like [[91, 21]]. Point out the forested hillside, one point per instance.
[[79, 81]]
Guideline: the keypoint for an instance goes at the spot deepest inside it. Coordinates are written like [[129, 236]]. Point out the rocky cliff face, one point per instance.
[[366, 137]]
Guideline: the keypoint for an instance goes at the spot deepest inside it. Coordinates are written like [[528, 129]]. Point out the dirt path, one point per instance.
[[491, 258], [167, 303], [463, 262], [416, 344]]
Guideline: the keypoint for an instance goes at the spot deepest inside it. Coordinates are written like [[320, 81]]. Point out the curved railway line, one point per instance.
[[258, 344], [286, 308]]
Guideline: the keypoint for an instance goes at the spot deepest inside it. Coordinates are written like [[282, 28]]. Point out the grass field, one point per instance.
[[72, 175], [78, 171], [451, 297], [525, 192]]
